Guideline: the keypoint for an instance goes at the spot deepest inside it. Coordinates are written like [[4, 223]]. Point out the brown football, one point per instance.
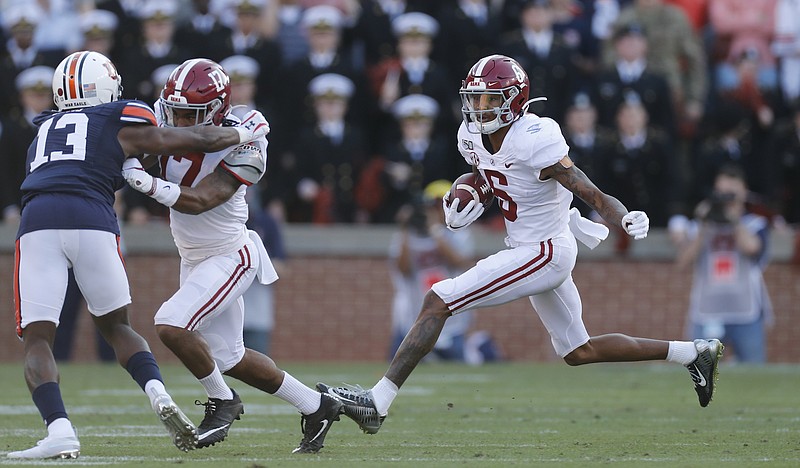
[[468, 187]]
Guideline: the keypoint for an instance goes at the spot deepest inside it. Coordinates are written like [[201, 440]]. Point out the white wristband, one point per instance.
[[244, 135], [166, 193]]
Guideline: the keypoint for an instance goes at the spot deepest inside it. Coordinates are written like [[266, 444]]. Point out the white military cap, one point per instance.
[[581, 100], [158, 10], [331, 85], [249, 6], [240, 66], [415, 24], [632, 98], [21, 15], [39, 77], [161, 74], [98, 23], [415, 106], [322, 17]]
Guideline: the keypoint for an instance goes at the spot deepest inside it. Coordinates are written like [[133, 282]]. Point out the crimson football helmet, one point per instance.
[[200, 85], [494, 94]]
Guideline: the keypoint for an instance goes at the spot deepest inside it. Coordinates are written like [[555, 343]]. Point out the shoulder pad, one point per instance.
[[246, 162], [137, 112]]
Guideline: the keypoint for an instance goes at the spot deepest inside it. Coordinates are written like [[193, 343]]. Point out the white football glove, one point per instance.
[[252, 127], [458, 219], [636, 224], [162, 191]]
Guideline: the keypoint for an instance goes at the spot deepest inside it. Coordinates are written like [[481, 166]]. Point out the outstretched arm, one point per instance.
[[141, 139], [635, 223], [574, 179]]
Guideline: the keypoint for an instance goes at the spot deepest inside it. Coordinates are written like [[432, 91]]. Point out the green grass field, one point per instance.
[[446, 415]]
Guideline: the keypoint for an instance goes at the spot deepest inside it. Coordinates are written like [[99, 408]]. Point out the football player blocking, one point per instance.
[[73, 169], [202, 323], [524, 158]]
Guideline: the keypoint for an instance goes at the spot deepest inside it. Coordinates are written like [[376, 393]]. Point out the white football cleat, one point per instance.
[[181, 428], [51, 447]]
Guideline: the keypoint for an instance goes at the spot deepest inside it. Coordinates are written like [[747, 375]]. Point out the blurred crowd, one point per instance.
[[653, 96]]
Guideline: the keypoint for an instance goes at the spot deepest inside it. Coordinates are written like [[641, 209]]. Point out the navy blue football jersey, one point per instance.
[[74, 166]]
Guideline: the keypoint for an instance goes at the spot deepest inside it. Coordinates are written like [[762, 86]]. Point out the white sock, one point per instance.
[[61, 427], [384, 393], [154, 388], [682, 352], [215, 385], [298, 395]]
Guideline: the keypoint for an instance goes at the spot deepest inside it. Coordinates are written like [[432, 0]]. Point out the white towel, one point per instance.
[[266, 272], [588, 232]]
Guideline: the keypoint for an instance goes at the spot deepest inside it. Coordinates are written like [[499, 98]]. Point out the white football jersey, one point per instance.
[[218, 231], [534, 209]]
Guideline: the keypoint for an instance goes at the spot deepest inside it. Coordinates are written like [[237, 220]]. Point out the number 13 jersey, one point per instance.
[[74, 166]]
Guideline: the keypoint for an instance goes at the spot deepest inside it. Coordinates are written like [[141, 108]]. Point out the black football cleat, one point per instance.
[[705, 369], [220, 414], [316, 425]]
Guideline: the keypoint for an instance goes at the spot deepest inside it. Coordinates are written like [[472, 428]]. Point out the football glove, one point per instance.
[[458, 219], [162, 191], [252, 127], [636, 224]]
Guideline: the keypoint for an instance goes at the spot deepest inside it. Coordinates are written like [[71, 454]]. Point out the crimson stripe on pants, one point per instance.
[[222, 292], [509, 278]]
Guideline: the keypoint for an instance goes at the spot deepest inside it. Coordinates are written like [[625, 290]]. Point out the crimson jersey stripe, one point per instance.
[[139, 113], [222, 292], [509, 278]]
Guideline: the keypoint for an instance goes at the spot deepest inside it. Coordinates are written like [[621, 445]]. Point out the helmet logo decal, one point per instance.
[[89, 90], [217, 78], [519, 73], [112, 72]]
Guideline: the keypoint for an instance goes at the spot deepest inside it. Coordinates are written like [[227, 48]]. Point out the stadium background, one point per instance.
[[334, 302]]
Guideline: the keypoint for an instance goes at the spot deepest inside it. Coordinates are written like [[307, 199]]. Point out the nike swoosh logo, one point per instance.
[[507, 165], [321, 430], [336, 396], [212, 431], [697, 377]]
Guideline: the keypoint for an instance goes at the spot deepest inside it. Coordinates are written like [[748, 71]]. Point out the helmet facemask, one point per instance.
[[487, 110], [204, 113]]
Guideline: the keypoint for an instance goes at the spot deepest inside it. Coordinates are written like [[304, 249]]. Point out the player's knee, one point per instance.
[[434, 305], [169, 334], [581, 355]]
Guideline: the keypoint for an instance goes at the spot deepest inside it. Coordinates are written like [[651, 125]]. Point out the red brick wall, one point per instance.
[[338, 308]]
